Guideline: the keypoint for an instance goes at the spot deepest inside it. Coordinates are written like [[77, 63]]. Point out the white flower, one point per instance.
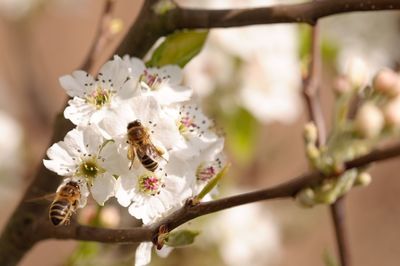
[[152, 194], [163, 131], [206, 166], [93, 98], [10, 144], [195, 128], [246, 235], [82, 155], [163, 83], [264, 69]]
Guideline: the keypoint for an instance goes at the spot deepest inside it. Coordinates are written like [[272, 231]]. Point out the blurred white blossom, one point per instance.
[[269, 74], [246, 235], [10, 144], [370, 37]]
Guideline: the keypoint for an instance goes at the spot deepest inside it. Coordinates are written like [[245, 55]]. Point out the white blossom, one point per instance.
[[163, 131], [82, 155], [197, 130], [93, 98], [164, 83], [151, 194]]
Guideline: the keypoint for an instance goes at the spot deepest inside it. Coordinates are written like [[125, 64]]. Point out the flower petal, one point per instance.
[[143, 254], [103, 188]]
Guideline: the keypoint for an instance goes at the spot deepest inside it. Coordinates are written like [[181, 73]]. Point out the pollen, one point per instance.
[[150, 184], [99, 97], [89, 169], [151, 81], [186, 124], [205, 172]]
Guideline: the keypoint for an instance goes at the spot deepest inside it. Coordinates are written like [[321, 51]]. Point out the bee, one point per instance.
[[141, 145], [65, 203]]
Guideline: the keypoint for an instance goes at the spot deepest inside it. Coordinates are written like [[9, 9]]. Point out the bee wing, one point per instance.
[[154, 152], [47, 197]]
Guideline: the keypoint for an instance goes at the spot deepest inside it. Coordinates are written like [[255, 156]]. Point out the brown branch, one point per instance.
[[338, 217], [311, 85], [102, 36], [309, 12], [188, 212]]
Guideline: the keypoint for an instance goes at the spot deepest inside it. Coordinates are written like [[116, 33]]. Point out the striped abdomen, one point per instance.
[[60, 212], [147, 162]]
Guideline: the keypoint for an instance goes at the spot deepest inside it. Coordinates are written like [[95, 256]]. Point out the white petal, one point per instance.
[[116, 71], [78, 111], [103, 188], [92, 140], [75, 85], [58, 168], [174, 73], [143, 254], [57, 152], [115, 162], [164, 251], [113, 125], [137, 67], [167, 94]]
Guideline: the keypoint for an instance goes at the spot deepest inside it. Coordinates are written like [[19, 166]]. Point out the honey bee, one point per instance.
[[65, 203], [141, 145]]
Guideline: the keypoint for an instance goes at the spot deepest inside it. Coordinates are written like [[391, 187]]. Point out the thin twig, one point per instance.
[[338, 217], [189, 212], [102, 37]]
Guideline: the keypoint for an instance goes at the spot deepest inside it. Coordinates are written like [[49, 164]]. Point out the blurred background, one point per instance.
[[249, 80]]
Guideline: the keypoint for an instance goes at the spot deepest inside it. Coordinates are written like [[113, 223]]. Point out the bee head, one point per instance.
[[135, 123]]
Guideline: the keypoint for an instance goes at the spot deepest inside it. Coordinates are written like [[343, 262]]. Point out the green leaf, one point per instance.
[[181, 238], [241, 134], [211, 184], [178, 48]]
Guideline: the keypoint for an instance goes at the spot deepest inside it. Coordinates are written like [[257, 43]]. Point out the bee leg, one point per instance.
[[160, 153], [131, 157]]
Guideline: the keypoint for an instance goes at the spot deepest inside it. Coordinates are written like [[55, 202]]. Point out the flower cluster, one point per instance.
[[139, 137]]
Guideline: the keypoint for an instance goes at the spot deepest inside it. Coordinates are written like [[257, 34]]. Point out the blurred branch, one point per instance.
[[189, 211], [308, 12], [338, 217], [102, 36], [311, 85]]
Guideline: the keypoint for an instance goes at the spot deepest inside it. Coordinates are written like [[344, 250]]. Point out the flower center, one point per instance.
[[99, 97], [89, 169], [205, 172], [150, 81], [150, 184], [186, 124]]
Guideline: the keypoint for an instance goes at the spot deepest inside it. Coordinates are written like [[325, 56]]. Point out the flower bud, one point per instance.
[[306, 197], [110, 217], [87, 215], [310, 133], [369, 120], [392, 112], [387, 82], [342, 85], [363, 179], [313, 153], [357, 70]]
